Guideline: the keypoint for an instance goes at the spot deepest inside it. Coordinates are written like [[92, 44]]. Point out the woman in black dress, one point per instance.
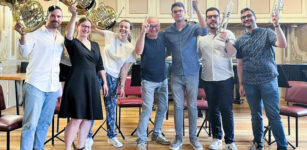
[[81, 98]]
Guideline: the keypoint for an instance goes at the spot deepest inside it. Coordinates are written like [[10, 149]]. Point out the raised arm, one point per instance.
[[101, 32], [281, 39], [230, 49], [25, 46], [200, 17], [139, 47], [72, 23]]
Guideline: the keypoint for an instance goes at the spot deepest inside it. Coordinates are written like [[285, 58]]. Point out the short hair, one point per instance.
[[179, 4], [53, 8], [212, 9], [247, 9]]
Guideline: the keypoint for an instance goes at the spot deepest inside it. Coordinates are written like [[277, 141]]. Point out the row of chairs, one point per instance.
[[295, 97]]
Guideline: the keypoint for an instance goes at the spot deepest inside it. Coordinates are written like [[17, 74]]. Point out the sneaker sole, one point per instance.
[[177, 148], [114, 145]]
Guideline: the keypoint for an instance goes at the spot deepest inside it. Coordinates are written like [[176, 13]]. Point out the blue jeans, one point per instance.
[[268, 94], [110, 102], [38, 113], [220, 97], [189, 85], [149, 89]]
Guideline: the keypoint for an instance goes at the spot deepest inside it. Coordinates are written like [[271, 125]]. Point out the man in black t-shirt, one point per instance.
[[151, 47]]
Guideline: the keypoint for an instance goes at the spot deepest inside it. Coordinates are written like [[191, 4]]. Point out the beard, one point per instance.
[[53, 24]]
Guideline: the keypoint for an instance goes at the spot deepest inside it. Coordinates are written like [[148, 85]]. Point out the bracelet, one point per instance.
[[277, 26]]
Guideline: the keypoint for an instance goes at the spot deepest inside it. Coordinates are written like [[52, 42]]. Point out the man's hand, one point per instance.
[[223, 36], [275, 19], [195, 5], [145, 25], [241, 91]]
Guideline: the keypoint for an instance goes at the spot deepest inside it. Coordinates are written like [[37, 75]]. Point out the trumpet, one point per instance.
[[29, 13], [226, 15], [277, 7]]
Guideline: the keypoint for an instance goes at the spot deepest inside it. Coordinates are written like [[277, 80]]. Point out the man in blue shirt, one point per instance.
[[257, 73], [181, 39], [151, 47]]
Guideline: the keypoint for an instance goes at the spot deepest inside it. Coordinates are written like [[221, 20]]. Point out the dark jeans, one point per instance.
[[220, 97]]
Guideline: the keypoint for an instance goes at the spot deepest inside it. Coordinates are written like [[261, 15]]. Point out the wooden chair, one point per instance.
[[296, 98], [8, 123]]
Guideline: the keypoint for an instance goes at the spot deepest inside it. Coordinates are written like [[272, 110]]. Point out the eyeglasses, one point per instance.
[[178, 11], [212, 16], [85, 26], [154, 26], [247, 16]]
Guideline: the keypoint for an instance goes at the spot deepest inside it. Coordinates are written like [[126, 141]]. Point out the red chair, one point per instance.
[[296, 98], [202, 104], [8, 123], [132, 99]]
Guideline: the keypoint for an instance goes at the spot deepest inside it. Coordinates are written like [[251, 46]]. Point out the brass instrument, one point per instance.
[[277, 7], [103, 17], [82, 5], [226, 15], [29, 13]]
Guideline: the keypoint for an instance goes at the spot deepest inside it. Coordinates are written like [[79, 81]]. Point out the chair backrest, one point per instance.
[[131, 90], [297, 92], [23, 67], [201, 94], [2, 102]]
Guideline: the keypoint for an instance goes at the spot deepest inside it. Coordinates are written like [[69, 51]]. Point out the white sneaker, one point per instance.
[[115, 142], [231, 146], [216, 144], [142, 146], [89, 143]]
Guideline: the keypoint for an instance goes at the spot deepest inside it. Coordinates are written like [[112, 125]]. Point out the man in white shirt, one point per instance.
[[216, 51], [44, 48]]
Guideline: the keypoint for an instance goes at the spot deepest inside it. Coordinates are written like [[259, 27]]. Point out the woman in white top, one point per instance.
[[117, 56]]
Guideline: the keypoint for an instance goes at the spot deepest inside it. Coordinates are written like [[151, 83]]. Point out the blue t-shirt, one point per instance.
[[256, 49], [153, 59]]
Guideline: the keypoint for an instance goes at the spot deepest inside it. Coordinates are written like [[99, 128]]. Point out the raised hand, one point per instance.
[[145, 25], [18, 28], [223, 35], [195, 4], [73, 10], [275, 19]]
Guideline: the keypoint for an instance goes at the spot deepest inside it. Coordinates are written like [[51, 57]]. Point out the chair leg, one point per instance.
[[8, 140], [52, 132], [296, 130], [288, 125], [183, 124], [58, 124]]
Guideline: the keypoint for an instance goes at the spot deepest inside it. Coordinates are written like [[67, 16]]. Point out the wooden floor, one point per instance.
[[243, 132]]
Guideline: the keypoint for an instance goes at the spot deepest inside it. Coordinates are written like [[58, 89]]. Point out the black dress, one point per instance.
[[81, 96]]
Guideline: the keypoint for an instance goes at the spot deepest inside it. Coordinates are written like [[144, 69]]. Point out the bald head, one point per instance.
[[154, 27]]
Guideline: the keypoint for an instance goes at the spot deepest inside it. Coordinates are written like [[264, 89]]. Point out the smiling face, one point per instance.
[[84, 28], [124, 28], [178, 13], [213, 19], [54, 19], [154, 27], [248, 19]]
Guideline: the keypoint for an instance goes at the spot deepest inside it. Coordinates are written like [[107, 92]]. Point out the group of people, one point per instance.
[[186, 42]]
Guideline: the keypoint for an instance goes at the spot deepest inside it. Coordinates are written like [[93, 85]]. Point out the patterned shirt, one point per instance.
[[256, 49]]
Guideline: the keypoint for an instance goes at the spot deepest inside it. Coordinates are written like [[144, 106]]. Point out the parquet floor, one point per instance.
[[243, 132]]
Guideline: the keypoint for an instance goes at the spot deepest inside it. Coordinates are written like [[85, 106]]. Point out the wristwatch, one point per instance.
[[277, 26], [227, 40]]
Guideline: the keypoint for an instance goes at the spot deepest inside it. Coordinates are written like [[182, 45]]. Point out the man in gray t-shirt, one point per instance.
[[257, 73]]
